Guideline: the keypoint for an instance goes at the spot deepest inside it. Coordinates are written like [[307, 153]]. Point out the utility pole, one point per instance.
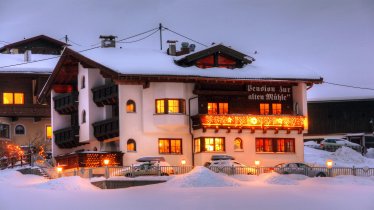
[[160, 28], [66, 39]]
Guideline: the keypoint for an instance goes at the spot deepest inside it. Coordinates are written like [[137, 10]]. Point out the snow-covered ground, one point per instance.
[[200, 189]]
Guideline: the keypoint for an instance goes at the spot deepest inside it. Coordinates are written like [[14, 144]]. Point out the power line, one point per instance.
[[137, 35], [185, 37], [140, 38], [349, 86]]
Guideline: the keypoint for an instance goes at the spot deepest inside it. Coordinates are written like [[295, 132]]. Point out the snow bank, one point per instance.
[[203, 177], [281, 179], [343, 157], [16, 178], [311, 143], [71, 183]]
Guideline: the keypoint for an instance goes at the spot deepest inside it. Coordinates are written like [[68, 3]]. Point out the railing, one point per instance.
[[67, 137], [66, 103], [26, 110], [106, 129], [311, 172], [241, 121], [105, 95], [126, 171]]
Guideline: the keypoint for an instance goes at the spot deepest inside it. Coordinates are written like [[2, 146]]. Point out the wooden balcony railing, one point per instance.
[[66, 103], [89, 159], [106, 129], [238, 121], [27, 110], [67, 137], [105, 95]]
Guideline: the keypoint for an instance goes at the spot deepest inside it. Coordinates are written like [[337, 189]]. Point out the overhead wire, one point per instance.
[[185, 36], [140, 38], [349, 86]]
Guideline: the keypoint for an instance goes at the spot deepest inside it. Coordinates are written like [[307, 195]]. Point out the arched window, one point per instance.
[[83, 85], [20, 130], [130, 106], [83, 116], [131, 145], [238, 144]]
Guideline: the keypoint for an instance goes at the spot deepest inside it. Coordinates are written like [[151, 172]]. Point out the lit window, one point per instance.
[[48, 131], [173, 106], [19, 130], [170, 146], [170, 106], [7, 98], [197, 145], [277, 108], [275, 145], [13, 98], [160, 106], [238, 144], [19, 98], [218, 108], [213, 144], [131, 145], [264, 108], [212, 108], [130, 106]]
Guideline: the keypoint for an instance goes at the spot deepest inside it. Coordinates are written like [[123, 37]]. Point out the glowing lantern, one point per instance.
[[183, 162], [253, 120], [329, 163], [106, 162], [257, 163]]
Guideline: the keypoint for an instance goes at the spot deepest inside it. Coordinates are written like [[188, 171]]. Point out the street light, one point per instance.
[[106, 162], [59, 171], [257, 163]]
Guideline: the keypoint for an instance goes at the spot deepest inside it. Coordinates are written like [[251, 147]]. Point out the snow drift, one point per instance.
[[203, 177]]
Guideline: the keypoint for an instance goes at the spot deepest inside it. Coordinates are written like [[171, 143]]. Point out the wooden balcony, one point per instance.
[[238, 121], [105, 95], [106, 129], [67, 137], [66, 103], [27, 110], [89, 159]]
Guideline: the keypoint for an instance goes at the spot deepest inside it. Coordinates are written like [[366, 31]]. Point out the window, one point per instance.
[[4, 131], [170, 146], [19, 130], [197, 146], [238, 144], [83, 116], [218, 108], [83, 84], [264, 108], [13, 98], [210, 144], [275, 145], [130, 106], [170, 106], [131, 145], [276, 108], [48, 132]]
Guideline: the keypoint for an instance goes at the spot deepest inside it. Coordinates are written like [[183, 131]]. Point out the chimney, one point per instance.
[[27, 56], [108, 41], [185, 49], [192, 47], [172, 50]]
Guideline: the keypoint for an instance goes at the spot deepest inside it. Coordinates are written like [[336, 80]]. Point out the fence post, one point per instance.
[[106, 172], [354, 171], [232, 170], [90, 173], [132, 171], [159, 170], [75, 172]]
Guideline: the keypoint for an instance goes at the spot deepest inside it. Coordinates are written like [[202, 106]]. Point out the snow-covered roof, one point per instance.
[[155, 62], [34, 66]]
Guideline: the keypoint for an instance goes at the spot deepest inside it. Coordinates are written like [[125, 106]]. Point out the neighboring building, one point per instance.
[[148, 103], [22, 119], [342, 117]]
